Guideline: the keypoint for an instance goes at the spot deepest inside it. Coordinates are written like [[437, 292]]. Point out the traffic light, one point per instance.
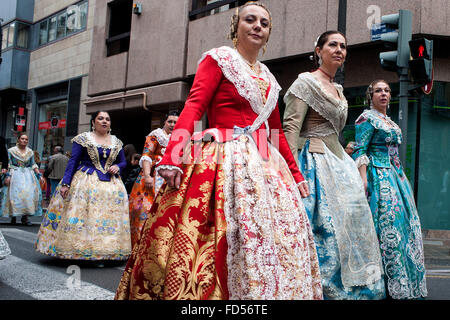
[[421, 65], [397, 40]]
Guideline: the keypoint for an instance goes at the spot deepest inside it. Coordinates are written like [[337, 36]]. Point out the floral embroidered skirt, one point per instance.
[[341, 220], [23, 196], [398, 227], [236, 229], [92, 223], [141, 200]]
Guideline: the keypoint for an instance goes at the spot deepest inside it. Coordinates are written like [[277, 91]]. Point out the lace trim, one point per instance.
[[144, 158], [307, 88], [362, 160], [375, 119], [162, 137], [271, 252], [22, 157], [236, 71], [86, 140], [169, 167], [352, 222]]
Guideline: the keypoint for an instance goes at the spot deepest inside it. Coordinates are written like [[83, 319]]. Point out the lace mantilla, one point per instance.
[[307, 88], [86, 140], [162, 137], [236, 70]]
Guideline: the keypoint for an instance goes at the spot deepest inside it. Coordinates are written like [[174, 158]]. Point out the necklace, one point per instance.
[[331, 78]]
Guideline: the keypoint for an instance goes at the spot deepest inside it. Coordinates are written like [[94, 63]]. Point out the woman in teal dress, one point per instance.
[[344, 233], [21, 194], [390, 196]]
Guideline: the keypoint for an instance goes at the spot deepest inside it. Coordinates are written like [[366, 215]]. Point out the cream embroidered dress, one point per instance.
[[344, 233], [92, 223]]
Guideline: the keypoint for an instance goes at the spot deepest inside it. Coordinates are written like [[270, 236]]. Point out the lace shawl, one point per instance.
[[307, 88], [235, 69], [14, 151], [86, 140], [162, 137]]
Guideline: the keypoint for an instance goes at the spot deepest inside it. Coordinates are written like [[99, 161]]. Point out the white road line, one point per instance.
[[44, 284], [29, 237]]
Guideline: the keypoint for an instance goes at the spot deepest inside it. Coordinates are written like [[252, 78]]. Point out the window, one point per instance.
[[23, 31], [61, 29], [202, 8], [52, 29], [43, 32], [15, 34], [64, 23], [119, 26]]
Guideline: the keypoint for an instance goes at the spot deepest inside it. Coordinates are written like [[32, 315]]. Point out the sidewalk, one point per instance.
[[436, 245]]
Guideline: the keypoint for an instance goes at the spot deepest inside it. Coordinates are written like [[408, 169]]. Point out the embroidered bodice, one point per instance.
[[89, 156], [18, 160], [377, 140], [231, 94]]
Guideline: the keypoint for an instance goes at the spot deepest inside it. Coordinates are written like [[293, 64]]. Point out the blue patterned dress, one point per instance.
[[392, 203], [23, 196], [344, 234]]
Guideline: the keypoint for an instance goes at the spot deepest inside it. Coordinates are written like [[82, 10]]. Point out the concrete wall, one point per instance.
[[63, 59]]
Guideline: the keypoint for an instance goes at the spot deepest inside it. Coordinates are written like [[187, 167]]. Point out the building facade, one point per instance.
[[53, 81], [144, 57]]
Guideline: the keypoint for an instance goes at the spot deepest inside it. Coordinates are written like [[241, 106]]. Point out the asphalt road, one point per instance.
[[28, 275]]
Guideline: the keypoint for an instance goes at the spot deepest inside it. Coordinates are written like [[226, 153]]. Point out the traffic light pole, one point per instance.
[[403, 111]]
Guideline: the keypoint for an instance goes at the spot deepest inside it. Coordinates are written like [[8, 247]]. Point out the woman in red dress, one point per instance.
[[148, 182], [230, 222]]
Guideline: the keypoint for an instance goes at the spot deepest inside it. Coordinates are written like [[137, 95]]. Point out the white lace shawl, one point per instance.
[[307, 88], [237, 71]]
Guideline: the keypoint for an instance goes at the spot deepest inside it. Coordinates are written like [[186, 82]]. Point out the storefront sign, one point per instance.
[[47, 125]]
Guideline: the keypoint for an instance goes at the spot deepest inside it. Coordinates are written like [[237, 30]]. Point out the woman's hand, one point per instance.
[[148, 181], [113, 170], [304, 190], [172, 177], [64, 191], [7, 181]]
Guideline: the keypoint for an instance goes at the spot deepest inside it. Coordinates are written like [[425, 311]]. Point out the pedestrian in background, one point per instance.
[[230, 223], [135, 169], [22, 195], [87, 217], [347, 244], [56, 167], [148, 182], [129, 150], [390, 196]]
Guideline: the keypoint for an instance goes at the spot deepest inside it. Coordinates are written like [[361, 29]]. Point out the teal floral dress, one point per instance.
[[392, 203]]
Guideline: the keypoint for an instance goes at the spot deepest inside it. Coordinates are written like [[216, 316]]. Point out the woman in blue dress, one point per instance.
[[390, 196], [87, 217], [21, 194], [344, 234]]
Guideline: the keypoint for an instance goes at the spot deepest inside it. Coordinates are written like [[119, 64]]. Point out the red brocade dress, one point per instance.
[[236, 228]]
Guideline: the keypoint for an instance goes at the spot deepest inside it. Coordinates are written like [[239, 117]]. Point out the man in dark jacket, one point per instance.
[[56, 167]]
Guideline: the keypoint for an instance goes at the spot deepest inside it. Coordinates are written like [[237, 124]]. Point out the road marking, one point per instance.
[[44, 284], [29, 237]]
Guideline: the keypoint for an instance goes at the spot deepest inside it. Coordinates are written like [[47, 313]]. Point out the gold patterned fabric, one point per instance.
[[184, 251], [92, 223]]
